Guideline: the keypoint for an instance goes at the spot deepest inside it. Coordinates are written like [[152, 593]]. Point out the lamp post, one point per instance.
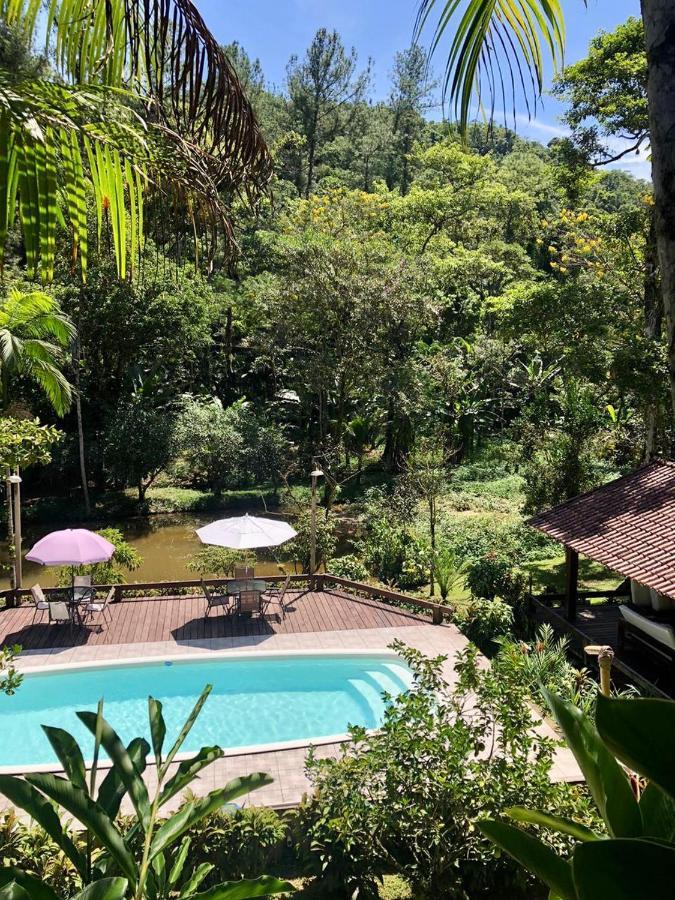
[[316, 474], [14, 482]]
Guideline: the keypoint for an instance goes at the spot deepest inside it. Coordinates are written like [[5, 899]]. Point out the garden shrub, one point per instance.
[[494, 575], [30, 848], [544, 663], [477, 536], [484, 621], [241, 843], [406, 799], [349, 566], [238, 843], [299, 550], [395, 554]]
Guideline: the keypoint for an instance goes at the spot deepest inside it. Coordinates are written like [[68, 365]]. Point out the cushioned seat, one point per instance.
[[664, 634]]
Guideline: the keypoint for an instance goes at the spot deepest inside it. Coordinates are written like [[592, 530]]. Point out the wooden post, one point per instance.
[[572, 582], [605, 656], [18, 558]]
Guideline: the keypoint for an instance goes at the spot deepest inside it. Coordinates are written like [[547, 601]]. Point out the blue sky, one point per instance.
[[272, 30]]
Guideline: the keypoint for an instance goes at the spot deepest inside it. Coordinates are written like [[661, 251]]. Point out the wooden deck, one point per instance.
[[150, 619], [599, 624]]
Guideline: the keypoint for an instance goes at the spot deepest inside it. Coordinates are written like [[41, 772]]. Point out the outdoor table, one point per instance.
[[246, 584]]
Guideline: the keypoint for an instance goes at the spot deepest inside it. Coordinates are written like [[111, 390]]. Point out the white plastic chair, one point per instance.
[[83, 592], [100, 609], [40, 601], [60, 613]]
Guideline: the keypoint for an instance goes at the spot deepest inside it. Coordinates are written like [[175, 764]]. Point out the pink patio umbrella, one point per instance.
[[71, 547]]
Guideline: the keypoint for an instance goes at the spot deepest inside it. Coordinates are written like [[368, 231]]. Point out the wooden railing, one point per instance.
[[158, 590], [438, 611], [150, 590]]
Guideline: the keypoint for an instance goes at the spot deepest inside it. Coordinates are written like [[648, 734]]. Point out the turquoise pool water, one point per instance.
[[260, 700]]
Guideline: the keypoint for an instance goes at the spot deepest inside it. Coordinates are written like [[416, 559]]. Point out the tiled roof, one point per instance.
[[627, 525]]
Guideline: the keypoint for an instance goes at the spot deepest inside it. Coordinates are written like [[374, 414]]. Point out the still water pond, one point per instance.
[[166, 543]]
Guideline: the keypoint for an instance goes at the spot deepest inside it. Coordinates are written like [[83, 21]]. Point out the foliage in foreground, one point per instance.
[[406, 800], [227, 844], [638, 856], [151, 858], [10, 678]]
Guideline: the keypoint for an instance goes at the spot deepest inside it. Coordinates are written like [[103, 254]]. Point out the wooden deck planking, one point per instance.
[[146, 620], [599, 624]]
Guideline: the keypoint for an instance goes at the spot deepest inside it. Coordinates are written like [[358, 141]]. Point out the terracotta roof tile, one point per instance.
[[628, 525]]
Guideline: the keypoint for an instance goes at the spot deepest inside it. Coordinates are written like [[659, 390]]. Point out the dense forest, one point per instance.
[[401, 303]]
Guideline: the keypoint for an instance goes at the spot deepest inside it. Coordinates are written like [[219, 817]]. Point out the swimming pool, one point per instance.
[[258, 699]]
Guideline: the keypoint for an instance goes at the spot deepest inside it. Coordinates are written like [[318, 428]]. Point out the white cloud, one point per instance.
[[544, 127]]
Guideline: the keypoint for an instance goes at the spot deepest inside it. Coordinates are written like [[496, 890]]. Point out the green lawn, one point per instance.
[[549, 574], [393, 888]]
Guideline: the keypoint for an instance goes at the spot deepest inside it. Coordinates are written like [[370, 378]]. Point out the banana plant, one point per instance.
[[142, 863], [635, 856]]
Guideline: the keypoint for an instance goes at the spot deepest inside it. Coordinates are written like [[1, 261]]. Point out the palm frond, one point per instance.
[[197, 140], [164, 50], [104, 150], [51, 380], [34, 335], [493, 39]]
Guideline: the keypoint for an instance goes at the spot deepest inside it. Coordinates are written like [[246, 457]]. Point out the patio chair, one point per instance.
[[40, 601], [60, 613], [249, 603], [100, 609], [83, 592], [276, 595], [225, 601]]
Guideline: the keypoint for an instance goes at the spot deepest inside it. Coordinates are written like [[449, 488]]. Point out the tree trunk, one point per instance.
[[659, 23], [10, 529], [311, 148], [399, 438], [653, 313], [432, 531], [80, 429], [340, 417]]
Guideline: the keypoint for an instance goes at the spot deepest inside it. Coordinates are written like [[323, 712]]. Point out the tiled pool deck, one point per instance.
[[285, 766]]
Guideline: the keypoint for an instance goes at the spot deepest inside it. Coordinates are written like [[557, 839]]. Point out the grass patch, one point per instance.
[[393, 888], [549, 574], [120, 505]]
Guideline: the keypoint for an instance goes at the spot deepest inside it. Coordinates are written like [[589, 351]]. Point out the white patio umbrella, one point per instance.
[[246, 532]]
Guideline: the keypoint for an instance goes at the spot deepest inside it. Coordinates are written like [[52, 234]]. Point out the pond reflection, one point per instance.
[[166, 543]]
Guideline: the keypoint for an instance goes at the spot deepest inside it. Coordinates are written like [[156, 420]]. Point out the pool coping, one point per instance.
[[187, 658]]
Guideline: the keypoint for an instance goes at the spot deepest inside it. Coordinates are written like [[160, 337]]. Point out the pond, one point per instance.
[[166, 543]]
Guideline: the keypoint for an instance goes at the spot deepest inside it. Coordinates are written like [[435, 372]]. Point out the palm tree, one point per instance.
[[34, 335], [497, 53]]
